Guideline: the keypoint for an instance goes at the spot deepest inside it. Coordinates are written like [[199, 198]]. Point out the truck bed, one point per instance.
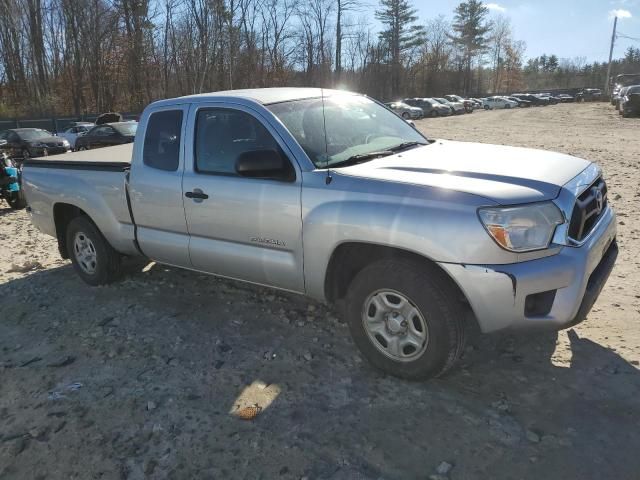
[[117, 158], [93, 181]]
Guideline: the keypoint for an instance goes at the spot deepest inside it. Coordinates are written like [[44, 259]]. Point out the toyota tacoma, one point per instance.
[[331, 195]]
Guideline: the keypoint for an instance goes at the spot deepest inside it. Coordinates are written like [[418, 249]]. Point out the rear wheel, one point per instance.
[[82, 148], [16, 200], [405, 319], [93, 259]]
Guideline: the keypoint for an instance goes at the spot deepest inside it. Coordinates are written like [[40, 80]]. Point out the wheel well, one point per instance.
[[63, 213], [350, 258]]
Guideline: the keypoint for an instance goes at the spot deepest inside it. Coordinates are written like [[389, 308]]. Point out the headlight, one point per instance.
[[522, 228], [65, 142]]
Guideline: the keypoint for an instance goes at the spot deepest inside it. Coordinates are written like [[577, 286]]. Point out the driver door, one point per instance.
[[239, 227]]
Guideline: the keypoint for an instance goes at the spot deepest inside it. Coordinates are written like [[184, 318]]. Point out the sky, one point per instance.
[[567, 28]]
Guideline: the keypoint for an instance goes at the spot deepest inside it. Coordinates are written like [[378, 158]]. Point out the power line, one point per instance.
[[622, 35]]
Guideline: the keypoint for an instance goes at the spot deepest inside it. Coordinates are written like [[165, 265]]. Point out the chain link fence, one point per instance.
[[55, 124]]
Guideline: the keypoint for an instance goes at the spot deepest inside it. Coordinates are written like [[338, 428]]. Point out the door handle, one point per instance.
[[197, 194]]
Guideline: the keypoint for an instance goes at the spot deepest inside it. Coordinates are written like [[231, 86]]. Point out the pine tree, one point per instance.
[[471, 34], [400, 34]]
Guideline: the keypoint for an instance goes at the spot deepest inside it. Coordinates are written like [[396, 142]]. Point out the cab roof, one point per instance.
[[265, 96]]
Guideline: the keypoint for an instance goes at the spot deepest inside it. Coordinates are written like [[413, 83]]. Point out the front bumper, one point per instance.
[[497, 293]]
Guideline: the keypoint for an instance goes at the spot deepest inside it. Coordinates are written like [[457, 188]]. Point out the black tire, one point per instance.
[[486, 107], [107, 262], [82, 148], [437, 301], [434, 113], [16, 200], [406, 115]]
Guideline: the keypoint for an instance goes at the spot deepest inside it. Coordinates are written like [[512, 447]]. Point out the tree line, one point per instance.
[[80, 56]]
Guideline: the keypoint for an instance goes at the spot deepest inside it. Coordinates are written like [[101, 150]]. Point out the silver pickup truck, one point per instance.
[[329, 194]]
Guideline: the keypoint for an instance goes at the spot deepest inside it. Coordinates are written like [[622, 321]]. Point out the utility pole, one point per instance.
[[613, 41]]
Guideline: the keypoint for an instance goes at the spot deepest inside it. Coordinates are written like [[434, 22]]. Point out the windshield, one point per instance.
[[355, 125], [126, 128], [33, 134]]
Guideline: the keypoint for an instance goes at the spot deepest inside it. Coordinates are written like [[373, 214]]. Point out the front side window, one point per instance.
[[222, 135], [162, 140], [341, 127]]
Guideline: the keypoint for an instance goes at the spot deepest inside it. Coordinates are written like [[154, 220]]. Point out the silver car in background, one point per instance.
[[457, 108], [405, 111]]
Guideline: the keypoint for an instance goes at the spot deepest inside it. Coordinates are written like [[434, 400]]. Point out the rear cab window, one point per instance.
[[163, 139]]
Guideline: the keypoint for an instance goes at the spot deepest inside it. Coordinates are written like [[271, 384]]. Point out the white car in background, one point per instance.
[[492, 103], [72, 133]]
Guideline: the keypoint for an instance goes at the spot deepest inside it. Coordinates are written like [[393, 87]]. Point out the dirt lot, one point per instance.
[[137, 380]]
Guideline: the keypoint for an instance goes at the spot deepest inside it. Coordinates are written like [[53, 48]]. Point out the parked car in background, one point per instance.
[[72, 133], [630, 103], [493, 103], [107, 135], [555, 99], [430, 108], [520, 101], [24, 143], [545, 96], [468, 104], [621, 93], [566, 98], [456, 107], [589, 95], [414, 241], [477, 103], [405, 111], [535, 101], [615, 94]]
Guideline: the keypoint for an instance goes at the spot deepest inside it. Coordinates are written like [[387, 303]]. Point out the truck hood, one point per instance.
[[504, 175]]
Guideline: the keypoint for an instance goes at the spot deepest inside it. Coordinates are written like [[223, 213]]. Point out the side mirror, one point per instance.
[[263, 164]]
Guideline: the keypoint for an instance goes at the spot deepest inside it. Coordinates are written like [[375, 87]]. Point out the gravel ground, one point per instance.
[[149, 378]]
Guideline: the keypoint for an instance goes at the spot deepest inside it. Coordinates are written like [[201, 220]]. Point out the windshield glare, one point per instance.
[[34, 134], [355, 125]]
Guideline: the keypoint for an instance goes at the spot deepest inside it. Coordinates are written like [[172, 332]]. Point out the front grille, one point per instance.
[[55, 144], [588, 209]]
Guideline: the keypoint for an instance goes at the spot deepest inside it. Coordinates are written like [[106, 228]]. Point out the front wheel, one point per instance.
[[405, 319], [406, 116], [93, 259]]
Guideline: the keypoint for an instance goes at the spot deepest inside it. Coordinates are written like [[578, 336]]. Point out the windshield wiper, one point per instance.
[[362, 157], [405, 145]]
